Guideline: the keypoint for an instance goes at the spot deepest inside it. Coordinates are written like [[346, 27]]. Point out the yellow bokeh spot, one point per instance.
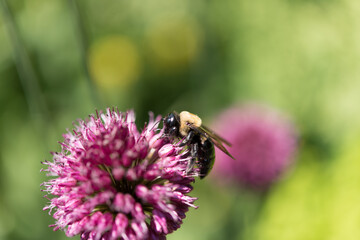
[[173, 43], [114, 62]]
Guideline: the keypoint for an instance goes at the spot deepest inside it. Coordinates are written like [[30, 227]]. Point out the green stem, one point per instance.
[[27, 75], [84, 46]]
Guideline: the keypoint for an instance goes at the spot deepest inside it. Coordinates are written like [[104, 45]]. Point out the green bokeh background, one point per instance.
[[60, 60]]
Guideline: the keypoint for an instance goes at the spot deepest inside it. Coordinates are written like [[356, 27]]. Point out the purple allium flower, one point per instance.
[[113, 182], [263, 144]]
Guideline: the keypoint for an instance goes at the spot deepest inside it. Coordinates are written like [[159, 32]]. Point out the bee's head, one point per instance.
[[171, 124]]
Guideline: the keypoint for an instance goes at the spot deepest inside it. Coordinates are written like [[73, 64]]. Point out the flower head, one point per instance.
[[113, 182], [263, 144]]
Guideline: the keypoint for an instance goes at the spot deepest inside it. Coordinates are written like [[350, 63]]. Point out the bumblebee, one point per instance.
[[197, 137]]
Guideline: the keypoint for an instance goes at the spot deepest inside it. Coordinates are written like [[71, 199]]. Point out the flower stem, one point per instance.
[[84, 46], [27, 74]]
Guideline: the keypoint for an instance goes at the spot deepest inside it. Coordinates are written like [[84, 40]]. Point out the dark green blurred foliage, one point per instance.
[[299, 56]]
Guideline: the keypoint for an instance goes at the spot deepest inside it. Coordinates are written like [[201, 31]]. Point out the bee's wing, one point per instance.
[[213, 135], [217, 140]]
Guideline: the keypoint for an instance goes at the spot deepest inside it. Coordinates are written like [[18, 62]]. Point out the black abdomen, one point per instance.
[[206, 157]]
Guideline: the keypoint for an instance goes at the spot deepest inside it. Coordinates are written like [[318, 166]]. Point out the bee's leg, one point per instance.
[[188, 138], [194, 149]]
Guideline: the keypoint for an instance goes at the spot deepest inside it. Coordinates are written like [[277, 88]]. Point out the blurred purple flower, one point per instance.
[[113, 182], [263, 144]]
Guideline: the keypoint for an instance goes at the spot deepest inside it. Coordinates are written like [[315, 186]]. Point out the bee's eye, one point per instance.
[[171, 121], [168, 121]]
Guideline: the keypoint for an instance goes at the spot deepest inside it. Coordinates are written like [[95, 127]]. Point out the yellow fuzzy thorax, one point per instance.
[[188, 118]]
